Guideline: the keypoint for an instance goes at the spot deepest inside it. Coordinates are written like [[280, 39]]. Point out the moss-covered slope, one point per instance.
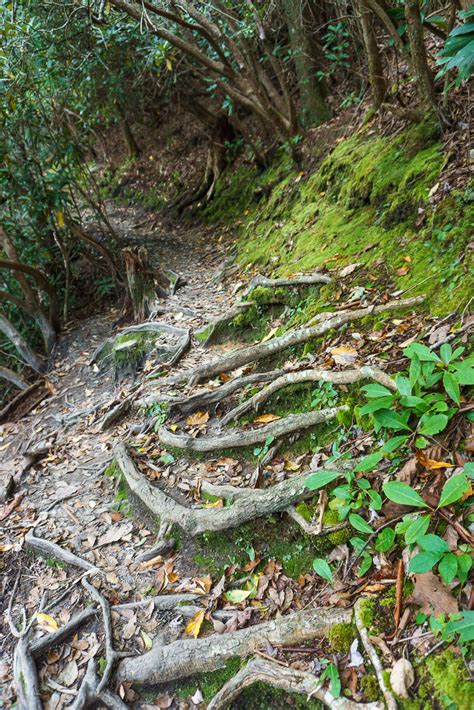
[[369, 201]]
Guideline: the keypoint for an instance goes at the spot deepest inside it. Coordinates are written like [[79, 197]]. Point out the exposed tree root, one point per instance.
[[26, 677], [292, 378], [111, 655], [261, 670], [312, 529], [187, 657], [390, 701], [42, 645], [207, 398], [245, 356], [89, 692], [163, 602], [207, 333], [303, 280], [9, 408], [280, 427], [250, 504], [50, 548]]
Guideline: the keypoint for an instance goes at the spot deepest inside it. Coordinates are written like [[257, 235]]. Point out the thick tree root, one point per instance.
[[26, 677], [280, 427], [187, 657], [40, 647], [390, 701], [261, 670], [303, 280], [53, 550], [251, 504], [293, 337], [208, 332], [182, 334], [208, 398], [292, 378]]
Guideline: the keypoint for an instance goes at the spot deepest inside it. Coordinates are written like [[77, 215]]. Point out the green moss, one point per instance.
[[370, 688], [209, 683], [450, 680], [367, 607], [340, 637], [363, 204], [112, 470]]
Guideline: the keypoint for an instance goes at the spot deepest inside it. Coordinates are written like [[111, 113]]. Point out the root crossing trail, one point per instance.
[[137, 578]]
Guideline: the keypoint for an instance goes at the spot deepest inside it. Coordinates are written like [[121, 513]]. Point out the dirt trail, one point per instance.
[[65, 496]]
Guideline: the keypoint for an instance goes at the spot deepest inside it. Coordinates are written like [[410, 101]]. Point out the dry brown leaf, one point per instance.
[[154, 561], [402, 677], [69, 674], [402, 271], [408, 471], [433, 596], [194, 626], [265, 418], [115, 534], [197, 419], [348, 270], [344, 356]]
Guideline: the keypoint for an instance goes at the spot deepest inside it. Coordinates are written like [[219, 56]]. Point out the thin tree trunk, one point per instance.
[[374, 57], [314, 109], [421, 69]]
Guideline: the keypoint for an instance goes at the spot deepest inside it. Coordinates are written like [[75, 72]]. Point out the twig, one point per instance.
[[373, 657]]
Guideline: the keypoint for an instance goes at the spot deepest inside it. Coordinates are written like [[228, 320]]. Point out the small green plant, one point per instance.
[[458, 50], [459, 626], [261, 451], [324, 396], [105, 286], [331, 673], [415, 407], [158, 411]]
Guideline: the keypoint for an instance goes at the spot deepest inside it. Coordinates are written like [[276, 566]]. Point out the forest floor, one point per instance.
[[59, 455]]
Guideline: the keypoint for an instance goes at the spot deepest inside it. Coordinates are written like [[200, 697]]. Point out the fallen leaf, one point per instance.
[[6, 548], [69, 674], [197, 419], [47, 622], [402, 677], [407, 259], [265, 418], [148, 643], [344, 356], [433, 596], [194, 626], [356, 658], [114, 534], [197, 697], [347, 270], [431, 464]]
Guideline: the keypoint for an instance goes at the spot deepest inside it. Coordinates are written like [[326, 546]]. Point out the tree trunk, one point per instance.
[[132, 145], [314, 109], [28, 355], [144, 282], [374, 57], [421, 69]]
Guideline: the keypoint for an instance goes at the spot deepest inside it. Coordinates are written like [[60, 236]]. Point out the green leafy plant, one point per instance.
[[324, 396], [458, 50], [416, 408], [331, 673], [262, 451]]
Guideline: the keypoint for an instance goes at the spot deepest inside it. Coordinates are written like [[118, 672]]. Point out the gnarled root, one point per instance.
[[207, 333], [292, 378], [303, 280], [89, 694], [293, 337], [261, 670], [53, 550], [26, 677], [187, 657], [253, 503], [287, 425]]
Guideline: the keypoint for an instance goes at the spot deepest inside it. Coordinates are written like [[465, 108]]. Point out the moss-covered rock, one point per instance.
[[450, 680]]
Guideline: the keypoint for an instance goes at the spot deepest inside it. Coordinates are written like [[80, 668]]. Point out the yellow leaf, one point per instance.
[[154, 561], [194, 626], [169, 65], [6, 547], [47, 622], [269, 335], [197, 419], [344, 356], [266, 418], [147, 641], [60, 219], [216, 504]]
